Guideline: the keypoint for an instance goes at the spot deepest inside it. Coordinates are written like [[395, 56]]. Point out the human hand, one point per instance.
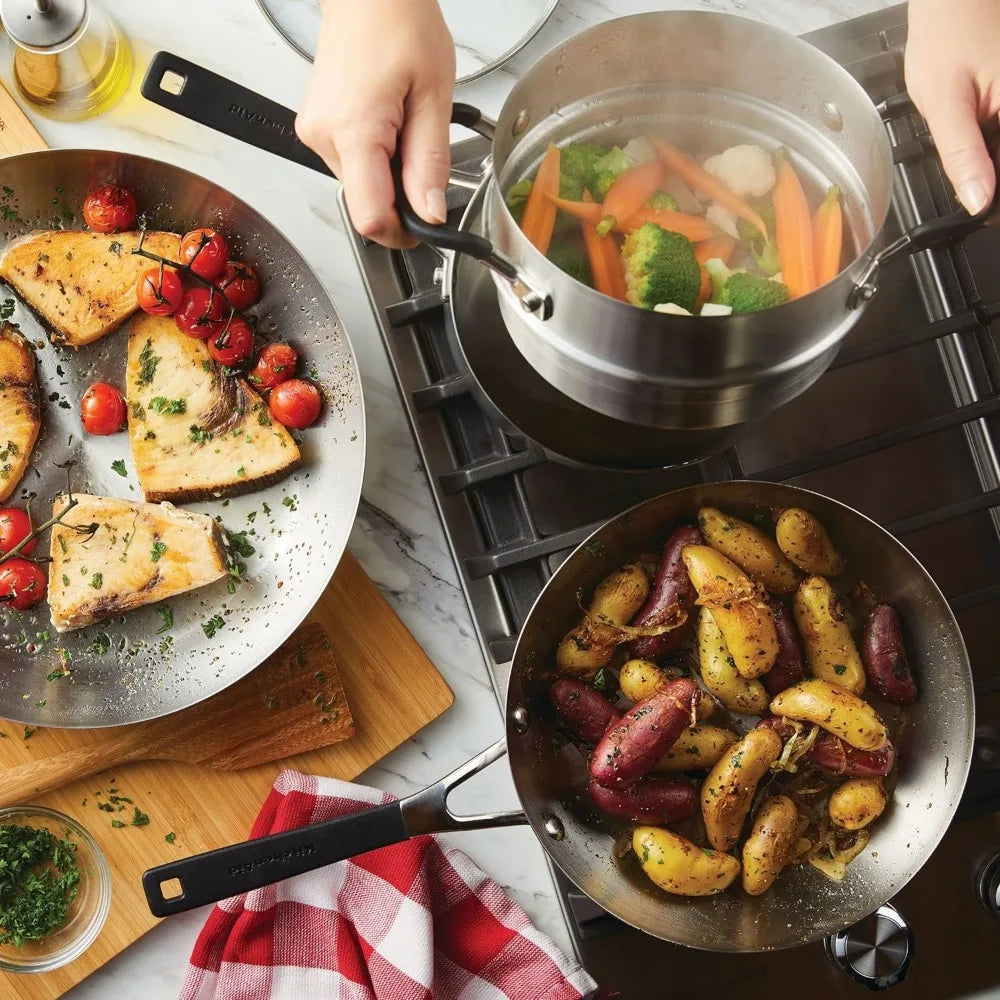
[[953, 76], [384, 74]]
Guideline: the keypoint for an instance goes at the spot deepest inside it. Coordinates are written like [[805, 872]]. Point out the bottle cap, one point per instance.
[[42, 24]]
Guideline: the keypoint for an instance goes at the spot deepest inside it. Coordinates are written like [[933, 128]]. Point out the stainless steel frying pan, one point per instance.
[[133, 668], [934, 738]]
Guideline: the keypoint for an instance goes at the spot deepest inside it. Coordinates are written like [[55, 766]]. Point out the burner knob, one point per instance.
[[989, 885], [876, 951]]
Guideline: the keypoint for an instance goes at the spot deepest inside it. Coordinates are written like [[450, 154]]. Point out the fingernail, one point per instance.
[[972, 194], [437, 207]]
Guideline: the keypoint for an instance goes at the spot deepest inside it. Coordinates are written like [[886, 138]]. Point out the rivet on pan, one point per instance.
[[554, 828], [521, 720], [520, 122], [832, 118], [438, 276]]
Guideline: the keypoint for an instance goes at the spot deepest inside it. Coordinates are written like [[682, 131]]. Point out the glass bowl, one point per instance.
[[88, 910]]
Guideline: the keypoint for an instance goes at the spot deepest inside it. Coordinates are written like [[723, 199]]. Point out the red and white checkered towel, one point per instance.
[[408, 922]]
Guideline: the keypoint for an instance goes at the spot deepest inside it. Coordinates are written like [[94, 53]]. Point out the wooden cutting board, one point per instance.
[[392, 688]]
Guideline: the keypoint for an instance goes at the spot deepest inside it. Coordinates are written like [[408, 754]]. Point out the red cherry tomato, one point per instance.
[[15, 526], [240, 285], [205, 252], [202, 313], [295, 403], [102, 410], [22, 584], [109, 209], [159, 292], [234, 344], [275, 364]]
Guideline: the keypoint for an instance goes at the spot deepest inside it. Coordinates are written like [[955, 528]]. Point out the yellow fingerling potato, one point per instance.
[[769, 847], [756, 554], [679, 867], [743, 617], [834, 709], [719, 673], [857, 802], [697, 749], [803, 539], [730, 786], [639, 678], [592, 643], [831, 653]]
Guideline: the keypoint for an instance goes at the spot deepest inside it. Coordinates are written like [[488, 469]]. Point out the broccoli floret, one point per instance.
[[517, 198], [606, 171], [660, 266], [748, 293], [572, 258], [576, 168], [719, 274], [662, 200], [765, 253]]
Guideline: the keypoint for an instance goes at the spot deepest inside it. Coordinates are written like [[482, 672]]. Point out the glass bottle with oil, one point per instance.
[[71, 61]]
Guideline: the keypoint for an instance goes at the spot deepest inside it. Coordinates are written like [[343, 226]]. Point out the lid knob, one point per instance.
[[876, 951], [42, 24]]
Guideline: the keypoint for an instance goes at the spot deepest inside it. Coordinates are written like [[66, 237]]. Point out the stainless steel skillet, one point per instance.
[[134, 668], [934, 738]]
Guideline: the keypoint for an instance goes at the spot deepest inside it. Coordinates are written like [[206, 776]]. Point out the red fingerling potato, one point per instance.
[[636, 743], [586, 711], [671, 587], [885, 657], [833, 755], [653, 801], [787, 669]]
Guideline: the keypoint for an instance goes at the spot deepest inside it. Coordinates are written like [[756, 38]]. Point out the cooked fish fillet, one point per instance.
[[82, 284], [138, 554], [20, 410], [196, 432]]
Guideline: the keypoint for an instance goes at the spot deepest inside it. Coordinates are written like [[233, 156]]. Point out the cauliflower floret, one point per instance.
[[746, 169], [715, 309], [721, 217], [639, 150], [670, 307]]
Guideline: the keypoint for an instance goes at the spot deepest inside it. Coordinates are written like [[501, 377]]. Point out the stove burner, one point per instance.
[[875, 952]]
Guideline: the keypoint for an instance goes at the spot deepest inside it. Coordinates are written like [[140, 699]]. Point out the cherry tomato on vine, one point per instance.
[[159, 292], [240, 285], [275, 364], [234, 343], [295, 403], [15, 527], [109, 209], [102, 409], [22, 584], [202, 313], [205, 251]]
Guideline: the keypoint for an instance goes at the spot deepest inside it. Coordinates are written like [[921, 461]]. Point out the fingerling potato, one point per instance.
[[830, 649], [804, 541], [769, 846], [857, 802], [719, 673], [788, 667], [591, 644], [679, 867], [587, 712], [730, 786], [656, 801], [884, 657], [834, 709], [756, 554], [741, 614], [697, 749], [639, 678]]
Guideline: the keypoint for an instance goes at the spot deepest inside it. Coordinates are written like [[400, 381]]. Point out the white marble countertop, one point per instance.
[[397, 537]]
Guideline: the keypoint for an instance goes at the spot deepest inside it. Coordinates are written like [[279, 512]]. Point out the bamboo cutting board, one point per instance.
[[392, 689]]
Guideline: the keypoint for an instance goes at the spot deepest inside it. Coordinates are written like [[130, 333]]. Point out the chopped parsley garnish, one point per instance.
[[839, 668], [241, 472], [117, 824], [199, 435], [160, 404], [116, 248], [119, 466], [97, 581], [100, 645], [206, 365], [157, 550], [238, 540], [166, 618], [170, 837], [272, 703], [290, 503], [138, 412], [139, 818], [147, 364], [7, 309], [212, 626]]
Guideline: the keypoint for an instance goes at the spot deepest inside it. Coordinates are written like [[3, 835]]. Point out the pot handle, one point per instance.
[[205, 97], [927, 235], [229, 871]]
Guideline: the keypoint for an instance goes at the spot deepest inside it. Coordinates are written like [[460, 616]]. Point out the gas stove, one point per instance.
[[903, 427]]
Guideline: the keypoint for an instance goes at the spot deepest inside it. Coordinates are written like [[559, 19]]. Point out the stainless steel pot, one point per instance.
[[933, 738]]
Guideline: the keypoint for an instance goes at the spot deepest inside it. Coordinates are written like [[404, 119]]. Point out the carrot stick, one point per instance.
[[828, 236], [605, 259], [539, 218], [694, 227], [629, 193], [793, 231], [695, 176], [718, 246], [585, 211]]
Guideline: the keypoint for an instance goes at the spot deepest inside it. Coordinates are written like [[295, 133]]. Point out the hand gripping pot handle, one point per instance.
[[928, 235], [205, 97]]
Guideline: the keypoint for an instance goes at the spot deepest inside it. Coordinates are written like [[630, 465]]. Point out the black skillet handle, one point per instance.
[[205, 97], [229, 871]]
